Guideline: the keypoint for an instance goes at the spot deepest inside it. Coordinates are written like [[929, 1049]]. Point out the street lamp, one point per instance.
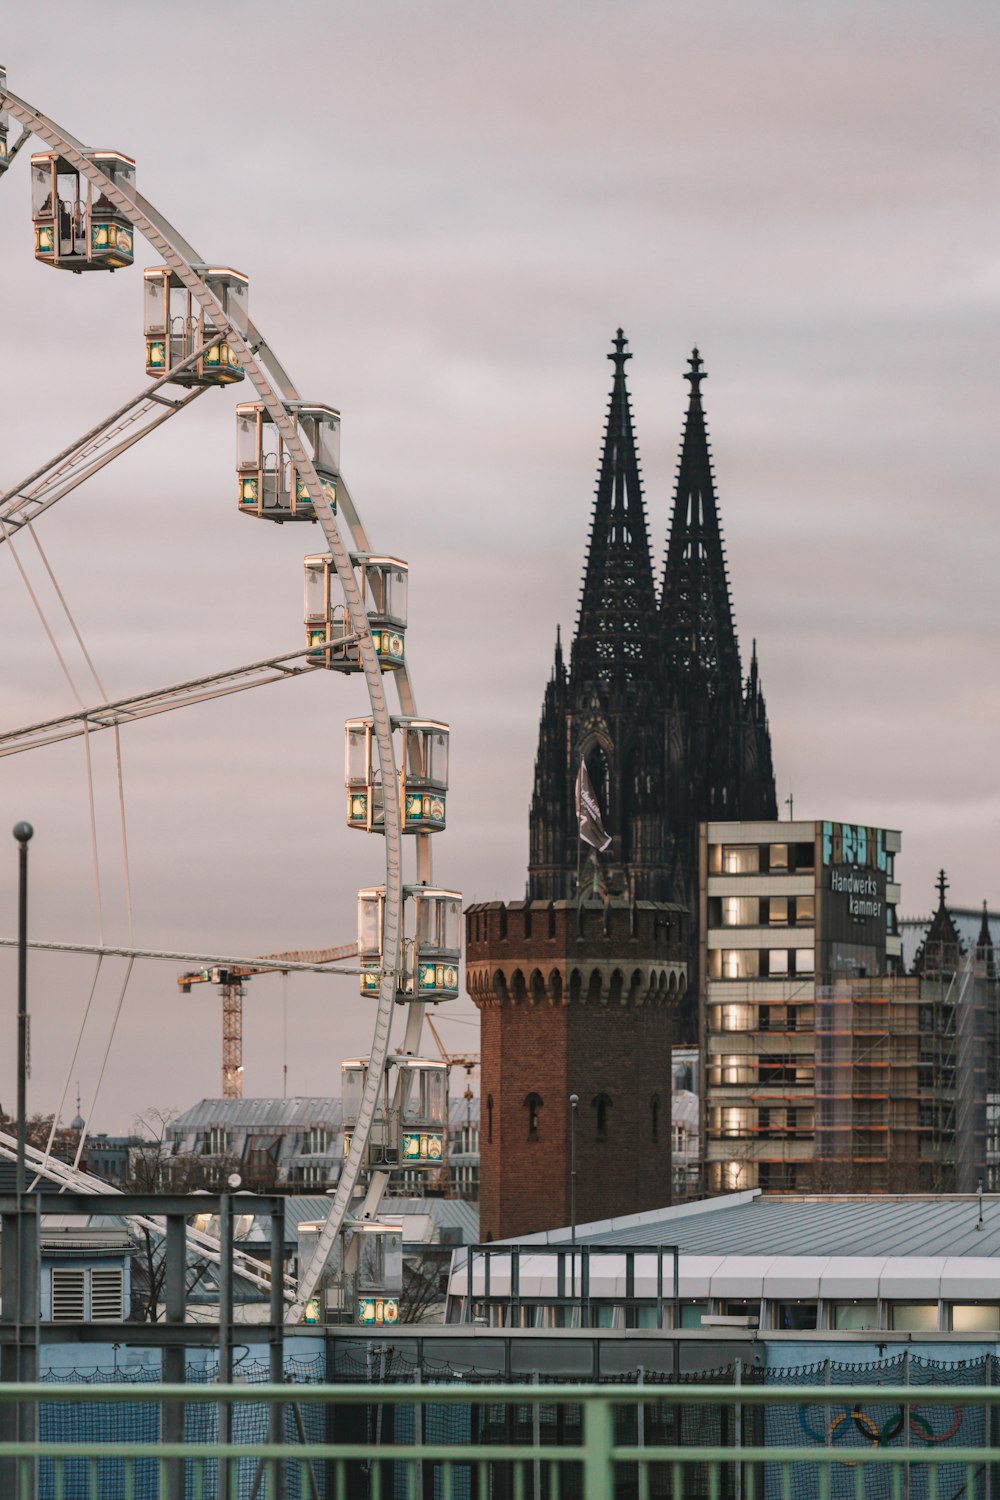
[[22, 833], [574, 1100]]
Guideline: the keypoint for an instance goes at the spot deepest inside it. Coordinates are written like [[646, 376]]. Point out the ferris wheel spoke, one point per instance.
[[162, 700], [93, 451], [12, 151]]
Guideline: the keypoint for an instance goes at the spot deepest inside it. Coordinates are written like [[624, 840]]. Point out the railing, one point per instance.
[[460, 1441]]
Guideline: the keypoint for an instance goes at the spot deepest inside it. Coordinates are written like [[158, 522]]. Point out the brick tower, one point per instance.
[[573, 1000]]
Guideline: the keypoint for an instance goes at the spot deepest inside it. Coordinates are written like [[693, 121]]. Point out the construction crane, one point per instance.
[[231, 987], [441, 1181]]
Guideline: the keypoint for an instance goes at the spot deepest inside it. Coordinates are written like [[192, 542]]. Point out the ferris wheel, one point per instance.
[[86, 211]]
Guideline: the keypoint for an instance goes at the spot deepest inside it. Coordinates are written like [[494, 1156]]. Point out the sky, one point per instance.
[[445, 211]]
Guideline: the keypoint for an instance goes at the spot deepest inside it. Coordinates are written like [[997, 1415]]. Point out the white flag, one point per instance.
[[588, 813]]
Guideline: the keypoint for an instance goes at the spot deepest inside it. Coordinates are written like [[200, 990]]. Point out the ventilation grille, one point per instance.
[[107, 1294], [68, 1293]]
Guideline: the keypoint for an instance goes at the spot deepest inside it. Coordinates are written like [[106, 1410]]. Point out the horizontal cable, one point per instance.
[[272, 965]]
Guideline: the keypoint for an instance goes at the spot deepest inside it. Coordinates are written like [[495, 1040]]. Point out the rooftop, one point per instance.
[[750, 1223]]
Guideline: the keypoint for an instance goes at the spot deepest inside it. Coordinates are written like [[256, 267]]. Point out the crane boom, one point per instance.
[[230, 982]]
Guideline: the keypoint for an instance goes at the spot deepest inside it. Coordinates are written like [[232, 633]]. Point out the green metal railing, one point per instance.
[[463, 1441]]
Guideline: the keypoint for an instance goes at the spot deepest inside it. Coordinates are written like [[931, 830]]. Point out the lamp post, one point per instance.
[[25, 1285], [574, 1100], [22, 833]]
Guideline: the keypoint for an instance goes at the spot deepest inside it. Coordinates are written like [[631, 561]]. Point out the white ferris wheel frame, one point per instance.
[[274, 388]]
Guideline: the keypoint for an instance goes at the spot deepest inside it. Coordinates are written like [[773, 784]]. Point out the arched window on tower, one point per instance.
[[533, 1105], [654, 1116], [601, 1104]]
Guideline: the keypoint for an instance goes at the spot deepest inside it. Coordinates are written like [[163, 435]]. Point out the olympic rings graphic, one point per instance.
[[848, 1417]]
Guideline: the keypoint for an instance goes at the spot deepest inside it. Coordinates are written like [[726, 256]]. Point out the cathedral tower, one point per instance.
[[718, 748], [577, 985], [604, 710]]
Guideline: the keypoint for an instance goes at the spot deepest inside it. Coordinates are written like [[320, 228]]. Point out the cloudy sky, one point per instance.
[[445, 210]]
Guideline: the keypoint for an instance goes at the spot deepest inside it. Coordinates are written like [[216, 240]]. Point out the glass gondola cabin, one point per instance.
[[269, 485], [177, 326], [77, 226], [431, 942], [423, 775], [363, 1282], [383, 583], [378, 1280], [410, 1122]]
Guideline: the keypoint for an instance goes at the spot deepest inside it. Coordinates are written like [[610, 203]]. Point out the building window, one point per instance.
[[974, 1317], [739, 963], [740, 911], [601, 1106], [777, 911], [740, 859], [312, 1176], [489, 1119], [805, 857], [533, 1104], [795, 1315], [777, 961], [734, 1122], [859, 1317], [219, 1141], [915, 1317], [805, 960], [805, 911], [317, 1140], [778, 858]]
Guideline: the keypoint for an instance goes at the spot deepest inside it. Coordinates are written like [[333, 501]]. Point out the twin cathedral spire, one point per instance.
[[653, 698]]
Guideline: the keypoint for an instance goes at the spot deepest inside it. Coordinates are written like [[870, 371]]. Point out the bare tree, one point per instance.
[[152, 1169], [424, 1284]]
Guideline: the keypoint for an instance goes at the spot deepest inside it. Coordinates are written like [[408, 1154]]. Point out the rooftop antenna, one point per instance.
[[979, 1195], [790, 804]]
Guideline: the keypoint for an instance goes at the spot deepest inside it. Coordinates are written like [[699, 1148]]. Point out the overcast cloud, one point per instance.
[[445, 211]]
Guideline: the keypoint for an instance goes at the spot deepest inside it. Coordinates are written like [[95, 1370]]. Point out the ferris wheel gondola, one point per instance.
[[87, 210]]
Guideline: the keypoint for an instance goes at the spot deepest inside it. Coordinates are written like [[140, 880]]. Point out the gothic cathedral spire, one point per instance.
[[615, 640], [701, 653]]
